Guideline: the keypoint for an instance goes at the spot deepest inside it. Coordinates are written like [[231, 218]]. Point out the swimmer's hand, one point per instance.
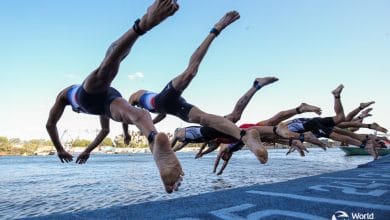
[[82, 158], [290, 150], [225, 154], [198, 155], [301, 149], [64, 156]]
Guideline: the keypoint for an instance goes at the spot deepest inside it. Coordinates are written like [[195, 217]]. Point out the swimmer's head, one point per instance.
[[135, 97], [180, 134]]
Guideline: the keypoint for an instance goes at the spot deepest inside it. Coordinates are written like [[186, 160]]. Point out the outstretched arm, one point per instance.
[[105, 123], [200, 153], [225, 153], [159, 118], [126, 136], [51, 126], [212, 146], [180, 146]]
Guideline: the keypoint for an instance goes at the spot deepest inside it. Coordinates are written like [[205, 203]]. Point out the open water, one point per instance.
[[42, 185]]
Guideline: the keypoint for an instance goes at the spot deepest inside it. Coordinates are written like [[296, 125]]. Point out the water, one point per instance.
[[36, 186]]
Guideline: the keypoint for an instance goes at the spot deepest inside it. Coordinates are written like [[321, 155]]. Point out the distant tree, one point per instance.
[[5, 145], [15, 141], [139, 145], [18, 151], [119, 141], [48, 143], [80, 143], [38, 142], [32, 145], [107, 142], [137, 141]]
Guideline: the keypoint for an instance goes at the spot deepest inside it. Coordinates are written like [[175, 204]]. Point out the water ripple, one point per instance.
[[36, 186]]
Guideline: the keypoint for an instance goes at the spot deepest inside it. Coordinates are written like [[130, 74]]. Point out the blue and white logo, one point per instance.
[[340, 215]]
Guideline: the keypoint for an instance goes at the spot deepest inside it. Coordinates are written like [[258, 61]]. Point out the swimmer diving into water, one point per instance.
[[170, 100], [96, 96]]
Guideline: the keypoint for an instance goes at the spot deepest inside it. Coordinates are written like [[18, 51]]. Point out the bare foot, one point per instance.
[[264, 81], [252, 140], [336, 92], [169, 166], [367, 111], [377, 127], [157, 12], [309, 108], [364, 105], [229, 18]]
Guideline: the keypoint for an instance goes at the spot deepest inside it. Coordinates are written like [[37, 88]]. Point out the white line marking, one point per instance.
[[325, 200], [346, 178], [227, 213], [276, 212]]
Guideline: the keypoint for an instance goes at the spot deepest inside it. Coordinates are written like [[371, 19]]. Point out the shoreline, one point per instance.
[[78, 150]]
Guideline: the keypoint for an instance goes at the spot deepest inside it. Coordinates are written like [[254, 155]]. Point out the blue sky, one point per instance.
[[311, 46]]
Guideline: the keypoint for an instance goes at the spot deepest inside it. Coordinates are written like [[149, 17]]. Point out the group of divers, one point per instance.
[[96, 96]]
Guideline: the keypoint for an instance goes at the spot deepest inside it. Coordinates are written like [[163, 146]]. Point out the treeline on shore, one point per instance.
[[16, 146]]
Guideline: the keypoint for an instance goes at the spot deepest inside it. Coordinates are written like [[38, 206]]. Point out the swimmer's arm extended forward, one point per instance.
[[126, 136], [212, 146], [180, 146], [105, 123], [51, 126], [225, 154]]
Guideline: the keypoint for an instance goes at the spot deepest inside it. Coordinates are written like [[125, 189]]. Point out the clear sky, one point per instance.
[[311, 46]]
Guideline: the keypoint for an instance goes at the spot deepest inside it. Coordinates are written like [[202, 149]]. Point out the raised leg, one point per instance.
[[235, 115], [356, 124], [284, 115], [338, 107], [183, 80], [354, 112], [364, 114], [283, 131], [100, 79]]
